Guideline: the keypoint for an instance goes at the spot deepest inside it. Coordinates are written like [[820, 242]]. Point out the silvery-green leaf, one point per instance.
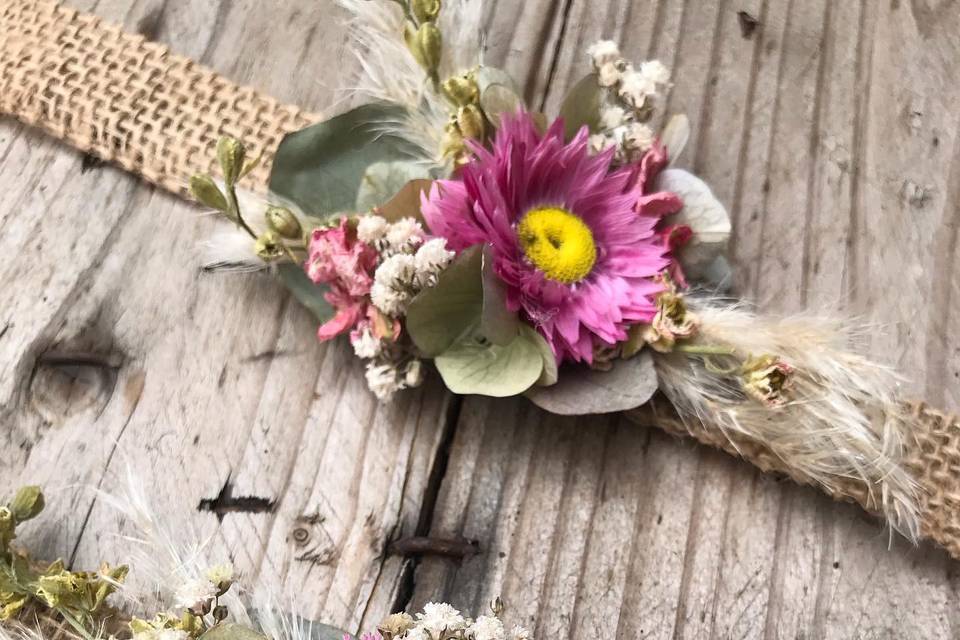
[[474, 365], [442, 314], [320, 168], [582, 106], [581, 390], [675, 136], [549, 374], [487, 76], [384, 180], [703, 213], [497, 323], [498, 93], [232, 631], [303, 289], [308, 629]]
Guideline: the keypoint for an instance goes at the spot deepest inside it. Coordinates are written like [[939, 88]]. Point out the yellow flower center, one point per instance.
[[558, 243]]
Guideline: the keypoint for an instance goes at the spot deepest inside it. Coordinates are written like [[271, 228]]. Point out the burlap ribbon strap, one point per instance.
[[129, 101], [156, 114]]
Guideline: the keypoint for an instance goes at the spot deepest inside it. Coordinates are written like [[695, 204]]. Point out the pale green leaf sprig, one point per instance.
[[284, 235]]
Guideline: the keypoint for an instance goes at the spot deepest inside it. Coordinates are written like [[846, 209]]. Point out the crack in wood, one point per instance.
[[226, 502], [458, 548]]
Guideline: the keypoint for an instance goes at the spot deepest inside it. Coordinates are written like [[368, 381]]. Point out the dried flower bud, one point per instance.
[[426, 10], [470, 122], [413, 376], [7, 529], [394, 626], [269, 246], [767, 379], [207, 193], [453, 143], [27, 504], [426, 45], [672, 322], [497, 606], [220, 613], [231, 154], [284, 222], [462, 90]]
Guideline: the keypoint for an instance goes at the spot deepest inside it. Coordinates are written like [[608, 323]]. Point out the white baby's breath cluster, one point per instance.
[[628, 94], [408, 264], [441, 621], [404, 274]]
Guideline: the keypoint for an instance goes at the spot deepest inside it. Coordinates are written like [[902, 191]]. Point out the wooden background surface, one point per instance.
[[831, 133]]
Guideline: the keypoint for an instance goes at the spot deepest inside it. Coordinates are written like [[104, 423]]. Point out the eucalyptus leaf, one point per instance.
[[704, 214], [384, 180], [582, 106], [474, 365], [549, 375], [303, 289], [497, 323], [310, 630], [498, 93], [232, 631], [439, 316], [320, 168], [675, 136], [582, 391]]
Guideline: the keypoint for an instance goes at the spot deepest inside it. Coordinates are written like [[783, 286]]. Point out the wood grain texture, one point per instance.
[[837, 154], [830, 132]]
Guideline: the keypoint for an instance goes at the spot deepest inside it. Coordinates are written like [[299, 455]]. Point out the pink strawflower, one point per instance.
[[574, 241], [338, 259]]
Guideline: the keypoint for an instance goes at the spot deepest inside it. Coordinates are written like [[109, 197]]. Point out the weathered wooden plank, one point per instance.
[[809, 128], [217, 388]]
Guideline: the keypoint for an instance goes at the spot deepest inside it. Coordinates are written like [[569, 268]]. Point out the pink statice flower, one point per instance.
[[574, 240], [338, 259]]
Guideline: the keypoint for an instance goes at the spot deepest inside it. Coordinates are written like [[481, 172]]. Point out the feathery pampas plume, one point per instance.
[[390, 73], [842, 419]]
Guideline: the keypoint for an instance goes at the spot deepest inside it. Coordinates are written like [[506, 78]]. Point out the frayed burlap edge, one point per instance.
[[932, 455]]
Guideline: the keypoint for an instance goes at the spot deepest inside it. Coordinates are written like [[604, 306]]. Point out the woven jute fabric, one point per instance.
[[129, 101], [932, 455], [157, 114]]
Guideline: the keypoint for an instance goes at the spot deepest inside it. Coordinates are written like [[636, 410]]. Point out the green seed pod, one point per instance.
[[462, 90], [27, 504], [426, 10], [284, 222], [470, 121], [231, 154], [207, 193], [269, 246], [430, 43]]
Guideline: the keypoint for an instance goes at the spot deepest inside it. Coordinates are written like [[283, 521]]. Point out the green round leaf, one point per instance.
[[477, 366], [582, 391], [384, 180], [582, 106], [550, 374], [320, 168], [442, 314]]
